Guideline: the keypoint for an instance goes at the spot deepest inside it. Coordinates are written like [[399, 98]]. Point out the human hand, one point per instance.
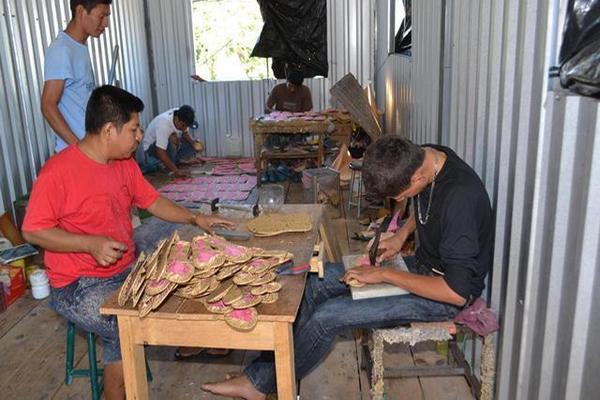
[[105, 250], [181, 174], [390, 247], [364, 274], [206, 222]]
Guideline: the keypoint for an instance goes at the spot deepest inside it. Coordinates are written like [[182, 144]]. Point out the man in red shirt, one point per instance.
[[79, 211]]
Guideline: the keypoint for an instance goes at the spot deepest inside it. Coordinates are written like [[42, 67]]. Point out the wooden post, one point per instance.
[[284, 361], [136, 385]]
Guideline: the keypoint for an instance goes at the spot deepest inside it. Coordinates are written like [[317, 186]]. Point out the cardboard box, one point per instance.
[[13, 282]]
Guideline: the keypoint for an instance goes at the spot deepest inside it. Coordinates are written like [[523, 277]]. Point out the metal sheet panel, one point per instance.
[[412, 84], [538, 154], [26, 30], [224, 108]]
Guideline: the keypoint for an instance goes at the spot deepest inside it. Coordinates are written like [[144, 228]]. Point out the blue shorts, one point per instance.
[[80, 303]]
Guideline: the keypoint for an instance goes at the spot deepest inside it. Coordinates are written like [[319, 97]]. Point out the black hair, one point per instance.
[[389, 164], [110, 104], [295, 77], [186, 114], [87, 4]]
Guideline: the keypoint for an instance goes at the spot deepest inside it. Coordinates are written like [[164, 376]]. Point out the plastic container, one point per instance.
[[271, 198], [40, 288]]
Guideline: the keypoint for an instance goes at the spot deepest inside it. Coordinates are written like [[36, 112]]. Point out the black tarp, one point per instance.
[[294, 36], [580, 50]]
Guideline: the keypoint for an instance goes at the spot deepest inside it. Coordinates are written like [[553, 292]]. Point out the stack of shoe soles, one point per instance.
[[228, 279]]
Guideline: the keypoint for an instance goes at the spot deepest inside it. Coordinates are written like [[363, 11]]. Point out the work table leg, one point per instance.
[[134, 365], [284, 361]]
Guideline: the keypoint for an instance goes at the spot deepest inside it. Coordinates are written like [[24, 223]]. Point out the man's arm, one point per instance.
[[430, 287], [104, 250], [51, 94], [169, 211], [188, 138]]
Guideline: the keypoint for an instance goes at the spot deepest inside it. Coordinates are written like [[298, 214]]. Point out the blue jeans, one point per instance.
[[328, 310], [80, 303], [176, 153]]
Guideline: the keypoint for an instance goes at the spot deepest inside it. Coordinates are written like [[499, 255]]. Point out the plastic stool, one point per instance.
[[94, 373], [355, 166]]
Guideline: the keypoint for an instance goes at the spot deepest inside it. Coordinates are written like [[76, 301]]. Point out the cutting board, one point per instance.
[[378, 289]]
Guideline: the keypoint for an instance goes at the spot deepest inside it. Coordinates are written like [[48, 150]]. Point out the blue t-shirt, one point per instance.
[[69, 61]]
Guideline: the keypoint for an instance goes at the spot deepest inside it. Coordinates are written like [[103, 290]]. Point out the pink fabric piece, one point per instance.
[[179, 267], [243, 315], [479, 318], [204, 254], [219, 304], [393, 226]]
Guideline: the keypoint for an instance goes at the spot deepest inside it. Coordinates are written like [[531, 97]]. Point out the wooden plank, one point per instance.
[[337, 376], [26, 338], [399, 355], [16, 312], [182, 379], [36, 365], [348, 92], [439, 388]]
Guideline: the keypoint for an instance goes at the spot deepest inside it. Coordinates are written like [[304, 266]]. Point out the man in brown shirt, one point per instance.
[[290, 96]]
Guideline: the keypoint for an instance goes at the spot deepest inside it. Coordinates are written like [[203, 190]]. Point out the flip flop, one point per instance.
[[201, 355]]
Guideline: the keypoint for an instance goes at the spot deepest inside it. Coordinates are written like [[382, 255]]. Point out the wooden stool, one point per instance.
[[429, 331], [94, 373]]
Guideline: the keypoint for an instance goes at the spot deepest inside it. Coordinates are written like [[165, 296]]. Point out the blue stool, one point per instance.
[[94, 373]]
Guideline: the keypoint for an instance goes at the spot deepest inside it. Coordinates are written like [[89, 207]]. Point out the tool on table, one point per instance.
[[212, 203], [288, 268], [232, 235], [253, 208]]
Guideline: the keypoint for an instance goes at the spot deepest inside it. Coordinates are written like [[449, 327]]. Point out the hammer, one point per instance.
[[253, 208], [212, 203]]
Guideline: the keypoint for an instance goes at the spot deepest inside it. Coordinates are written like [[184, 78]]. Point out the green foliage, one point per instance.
[[225, 32]]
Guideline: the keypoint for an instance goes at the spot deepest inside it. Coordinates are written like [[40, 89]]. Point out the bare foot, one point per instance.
[[239, 386]]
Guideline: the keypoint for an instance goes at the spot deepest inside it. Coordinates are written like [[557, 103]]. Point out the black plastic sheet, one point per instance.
[[294, 36], [580, 50]]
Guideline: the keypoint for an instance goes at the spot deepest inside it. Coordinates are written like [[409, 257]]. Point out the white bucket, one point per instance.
[[40, 288]]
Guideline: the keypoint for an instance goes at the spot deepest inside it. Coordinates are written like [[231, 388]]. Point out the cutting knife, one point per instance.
[[375, 245]]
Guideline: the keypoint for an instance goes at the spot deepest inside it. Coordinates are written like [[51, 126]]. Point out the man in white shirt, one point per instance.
[[162, 138]]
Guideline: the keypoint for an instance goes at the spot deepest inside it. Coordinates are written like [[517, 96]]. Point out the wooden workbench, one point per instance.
[[181, 322], [261, 128]]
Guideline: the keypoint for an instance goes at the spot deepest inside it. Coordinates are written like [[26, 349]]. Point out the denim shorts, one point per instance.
[[80, 303]]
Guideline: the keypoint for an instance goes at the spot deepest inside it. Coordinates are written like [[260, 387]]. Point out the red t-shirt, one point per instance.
[[79, 195]]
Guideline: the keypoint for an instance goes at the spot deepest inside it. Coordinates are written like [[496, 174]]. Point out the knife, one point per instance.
[[374, 246]]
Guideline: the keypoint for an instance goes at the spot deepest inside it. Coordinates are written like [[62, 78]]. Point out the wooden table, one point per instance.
[[261, 128], [180, 322]]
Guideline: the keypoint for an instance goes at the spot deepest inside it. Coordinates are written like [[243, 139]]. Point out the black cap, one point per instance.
[[187, 115]]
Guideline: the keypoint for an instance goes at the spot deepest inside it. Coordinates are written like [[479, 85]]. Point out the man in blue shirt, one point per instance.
[[68, 75]]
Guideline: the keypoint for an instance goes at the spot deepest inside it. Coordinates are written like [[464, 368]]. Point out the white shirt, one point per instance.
[[159, 130]]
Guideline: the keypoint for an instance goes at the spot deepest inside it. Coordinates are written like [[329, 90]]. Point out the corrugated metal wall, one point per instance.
[[538, 154], [26, 29], [412, 83], [224, 108]]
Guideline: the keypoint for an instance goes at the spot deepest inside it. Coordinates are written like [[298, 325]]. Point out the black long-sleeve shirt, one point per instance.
[[457, 239]]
